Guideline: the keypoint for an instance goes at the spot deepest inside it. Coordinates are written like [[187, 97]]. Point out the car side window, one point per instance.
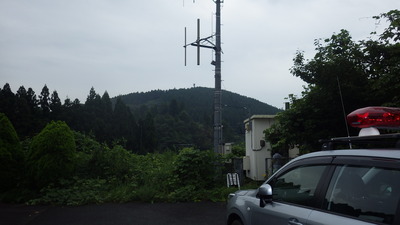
[[367, 193], [298, 185]]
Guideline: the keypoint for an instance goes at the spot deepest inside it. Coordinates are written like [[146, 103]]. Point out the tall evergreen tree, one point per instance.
[[22, 93], [103, 119], [125, 127], [7, 102], [74, 115], [44, 101], [107, 104], [147, 135], [31, 99], [67, 103], [55, 105], [23, 113], [92, 97], [173, 107]]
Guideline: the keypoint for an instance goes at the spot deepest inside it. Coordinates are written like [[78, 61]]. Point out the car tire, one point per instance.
[[236, 222]]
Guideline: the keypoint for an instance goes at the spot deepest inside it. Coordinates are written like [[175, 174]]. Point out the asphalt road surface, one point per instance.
[[206, 213]]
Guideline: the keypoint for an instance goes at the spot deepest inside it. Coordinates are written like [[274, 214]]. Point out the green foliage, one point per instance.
[[194, 171], [119, 163], [181, 121], [239, 150], [153, 179], [114, 174], [392, 32], [140, 122], [107, 135], [52, 154], [85, 143], [125, 128], [44, 100], [78, 191], [73, 192], [360, 73], [154, 176], [11, 155], [109, 163], [147, 138], [383, 57]]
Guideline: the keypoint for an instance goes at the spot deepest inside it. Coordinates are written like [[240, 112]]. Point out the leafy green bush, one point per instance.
[[199, 168], [73, 192], [110, 163], [85, 147], [11, 155], [154, 175], [52, 154], [105, 174], [85, 143]]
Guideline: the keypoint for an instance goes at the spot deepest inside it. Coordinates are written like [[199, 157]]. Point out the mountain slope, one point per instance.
[[197, 103], [200, 99]]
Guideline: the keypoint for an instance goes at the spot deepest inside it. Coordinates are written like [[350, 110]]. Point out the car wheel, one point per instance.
[[237, 222]]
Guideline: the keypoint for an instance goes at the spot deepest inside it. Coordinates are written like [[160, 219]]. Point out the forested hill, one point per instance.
[[185, 116], [198, 103]]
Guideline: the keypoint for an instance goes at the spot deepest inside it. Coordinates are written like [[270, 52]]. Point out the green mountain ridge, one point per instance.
[[197, 103], [198, 98]]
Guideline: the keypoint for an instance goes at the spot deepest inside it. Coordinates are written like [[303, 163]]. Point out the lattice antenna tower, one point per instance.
[[207, 42]]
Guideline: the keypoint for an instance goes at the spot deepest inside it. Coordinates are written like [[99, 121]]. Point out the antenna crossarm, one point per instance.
[[203, 46], [197, 43]]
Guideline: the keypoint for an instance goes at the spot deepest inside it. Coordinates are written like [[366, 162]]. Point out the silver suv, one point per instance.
[[331, 187]]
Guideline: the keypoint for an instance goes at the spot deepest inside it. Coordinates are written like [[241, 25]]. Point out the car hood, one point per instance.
[[246, 192]]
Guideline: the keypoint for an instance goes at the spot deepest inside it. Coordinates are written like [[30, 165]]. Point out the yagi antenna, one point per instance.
[[196, 43], [185, 46], [199, 43]]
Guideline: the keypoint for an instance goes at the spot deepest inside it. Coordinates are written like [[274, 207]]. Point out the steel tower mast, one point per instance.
[[206, 43], [217, 90]]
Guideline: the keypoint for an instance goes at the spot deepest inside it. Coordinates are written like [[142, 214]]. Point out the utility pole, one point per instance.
[[206, 43], [218, 91]]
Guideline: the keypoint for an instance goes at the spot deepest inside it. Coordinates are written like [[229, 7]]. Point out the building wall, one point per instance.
[[255, 153]]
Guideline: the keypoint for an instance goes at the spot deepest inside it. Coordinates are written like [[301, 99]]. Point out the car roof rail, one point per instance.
[[391, 140]]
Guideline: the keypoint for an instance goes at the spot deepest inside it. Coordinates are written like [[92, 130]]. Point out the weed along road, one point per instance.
[[206, 213]]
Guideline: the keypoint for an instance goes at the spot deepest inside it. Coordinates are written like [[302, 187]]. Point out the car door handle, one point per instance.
[[294, 221]]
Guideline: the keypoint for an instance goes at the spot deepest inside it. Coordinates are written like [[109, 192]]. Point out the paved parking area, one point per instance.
[[206, 213]]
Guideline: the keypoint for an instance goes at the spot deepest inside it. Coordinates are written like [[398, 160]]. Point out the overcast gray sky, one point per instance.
[[125, 46]]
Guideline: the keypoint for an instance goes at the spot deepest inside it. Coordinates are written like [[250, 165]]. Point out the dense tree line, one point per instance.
[[343, 75], [97, 116], [141, 127], [140, 122]]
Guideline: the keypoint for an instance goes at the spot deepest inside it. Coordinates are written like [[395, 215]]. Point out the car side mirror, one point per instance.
[[265, 194]]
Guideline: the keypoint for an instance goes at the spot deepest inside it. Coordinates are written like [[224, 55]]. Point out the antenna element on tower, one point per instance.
[[207, 43]]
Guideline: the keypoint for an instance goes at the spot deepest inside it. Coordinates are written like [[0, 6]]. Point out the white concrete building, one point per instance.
[[257, 149]]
